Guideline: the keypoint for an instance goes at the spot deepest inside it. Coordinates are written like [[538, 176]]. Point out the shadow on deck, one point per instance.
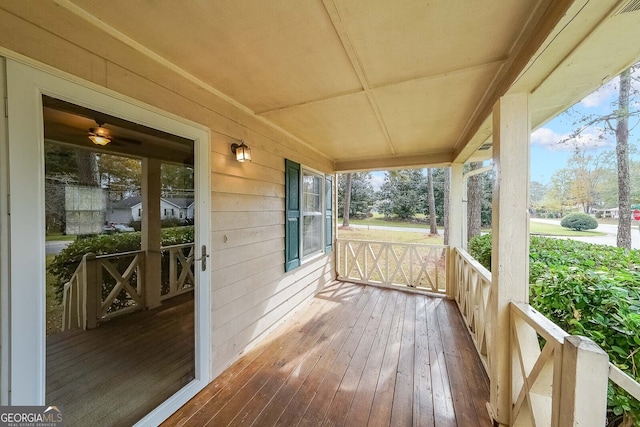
[[354, 356], [120, 371]]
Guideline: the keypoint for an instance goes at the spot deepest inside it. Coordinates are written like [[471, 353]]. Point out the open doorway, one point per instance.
[[108, 308], [119, 341]]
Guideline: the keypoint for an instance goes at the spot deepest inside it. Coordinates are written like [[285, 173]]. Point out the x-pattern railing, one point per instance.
[[181, 277], [111, 285], [473, 291], [123, 296], [401, 264], [536, 371]]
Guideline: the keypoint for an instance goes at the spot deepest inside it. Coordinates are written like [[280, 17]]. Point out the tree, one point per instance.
[[622, 159], [176, 180], [586, 174], [403, 193], [557, 198], [474, 202], [433, 225], [361, 194], [616, 122], [537, 194], [347, 201], [121, 176]]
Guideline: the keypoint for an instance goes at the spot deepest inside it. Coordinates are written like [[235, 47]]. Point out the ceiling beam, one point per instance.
[[436, 159], [128, 41], [422, 78], [343, 34], [533, 36]]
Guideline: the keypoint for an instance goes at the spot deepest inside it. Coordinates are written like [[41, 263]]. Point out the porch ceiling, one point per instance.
[[377, 83]]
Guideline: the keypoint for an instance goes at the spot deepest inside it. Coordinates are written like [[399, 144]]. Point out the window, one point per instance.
[[309, 215]]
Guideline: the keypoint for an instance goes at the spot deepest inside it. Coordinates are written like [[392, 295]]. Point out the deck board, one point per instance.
[[355, 356], [123, 369]]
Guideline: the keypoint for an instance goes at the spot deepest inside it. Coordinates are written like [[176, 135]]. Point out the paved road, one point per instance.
[[609, 238], [611, 231], [55, 246]]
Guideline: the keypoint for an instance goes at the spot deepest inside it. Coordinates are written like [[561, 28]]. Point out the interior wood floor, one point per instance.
[[355, 356], [117, 373]]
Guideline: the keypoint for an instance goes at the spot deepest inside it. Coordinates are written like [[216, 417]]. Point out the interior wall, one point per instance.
[[250, 292]]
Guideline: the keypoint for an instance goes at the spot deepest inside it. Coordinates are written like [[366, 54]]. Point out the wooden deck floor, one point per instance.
[[117, 373], [354, 356]]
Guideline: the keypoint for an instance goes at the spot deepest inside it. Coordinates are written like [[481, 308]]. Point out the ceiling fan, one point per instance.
[[102, 136]]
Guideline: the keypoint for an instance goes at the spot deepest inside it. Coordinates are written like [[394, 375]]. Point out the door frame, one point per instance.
[[25, 321]]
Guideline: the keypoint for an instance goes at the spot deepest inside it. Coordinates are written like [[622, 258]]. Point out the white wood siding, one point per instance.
[[250, 291]]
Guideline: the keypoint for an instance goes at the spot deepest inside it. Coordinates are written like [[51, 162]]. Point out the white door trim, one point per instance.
[[26, 85], [4, 244]]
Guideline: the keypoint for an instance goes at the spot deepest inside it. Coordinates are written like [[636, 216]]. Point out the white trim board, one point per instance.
[[26, 85]]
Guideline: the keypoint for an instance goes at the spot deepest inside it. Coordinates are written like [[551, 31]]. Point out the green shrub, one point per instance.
[[66, 262], [590, 290], [579, 221], [480, 249]]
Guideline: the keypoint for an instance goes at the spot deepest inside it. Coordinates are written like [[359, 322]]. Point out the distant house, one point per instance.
[[130, 209]]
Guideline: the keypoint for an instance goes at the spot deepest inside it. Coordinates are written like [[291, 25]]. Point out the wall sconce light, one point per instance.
[[99, 135], [242, 152]]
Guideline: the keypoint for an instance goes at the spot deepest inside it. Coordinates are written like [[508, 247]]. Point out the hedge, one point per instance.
[[590, 290], [66, 262], [579, 222]]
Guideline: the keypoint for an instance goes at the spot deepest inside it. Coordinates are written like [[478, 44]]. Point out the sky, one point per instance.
[[549, 154]]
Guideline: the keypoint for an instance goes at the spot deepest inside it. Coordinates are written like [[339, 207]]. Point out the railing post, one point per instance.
[[173, 270], [91, 302], [585, 377]]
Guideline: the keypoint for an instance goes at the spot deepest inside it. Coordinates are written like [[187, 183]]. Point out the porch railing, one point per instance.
[[394, 264], [473, 292], [180, 270], [107, 286], [556, 379]]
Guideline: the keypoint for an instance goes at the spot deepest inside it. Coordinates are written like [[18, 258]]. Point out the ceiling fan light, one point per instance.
[[99, 136]]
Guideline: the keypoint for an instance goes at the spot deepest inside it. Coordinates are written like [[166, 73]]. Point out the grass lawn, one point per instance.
[[59, 236], [389, 236], [54, 309], [542, 229], [379, 219], [536, 228]]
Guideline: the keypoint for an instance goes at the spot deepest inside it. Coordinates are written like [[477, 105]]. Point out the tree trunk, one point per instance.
[[447, 190], [622, 153], [474, 202], [347, 202], [87, 168], [433, 220]]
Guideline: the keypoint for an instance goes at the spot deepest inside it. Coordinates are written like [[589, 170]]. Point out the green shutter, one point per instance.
[[328, 215], [292, 215]]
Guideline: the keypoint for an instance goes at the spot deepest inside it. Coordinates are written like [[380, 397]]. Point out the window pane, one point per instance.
[[311, 234], [311, 188], [311, 213]]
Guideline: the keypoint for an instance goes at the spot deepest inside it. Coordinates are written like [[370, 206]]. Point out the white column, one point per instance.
[[456, 218], [510, 247], [151, 241]]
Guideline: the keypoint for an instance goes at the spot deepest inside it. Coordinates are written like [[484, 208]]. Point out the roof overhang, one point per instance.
[[373, 84]]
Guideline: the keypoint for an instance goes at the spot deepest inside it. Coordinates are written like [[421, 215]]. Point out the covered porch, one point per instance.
[[354, 355], [332, 86]]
